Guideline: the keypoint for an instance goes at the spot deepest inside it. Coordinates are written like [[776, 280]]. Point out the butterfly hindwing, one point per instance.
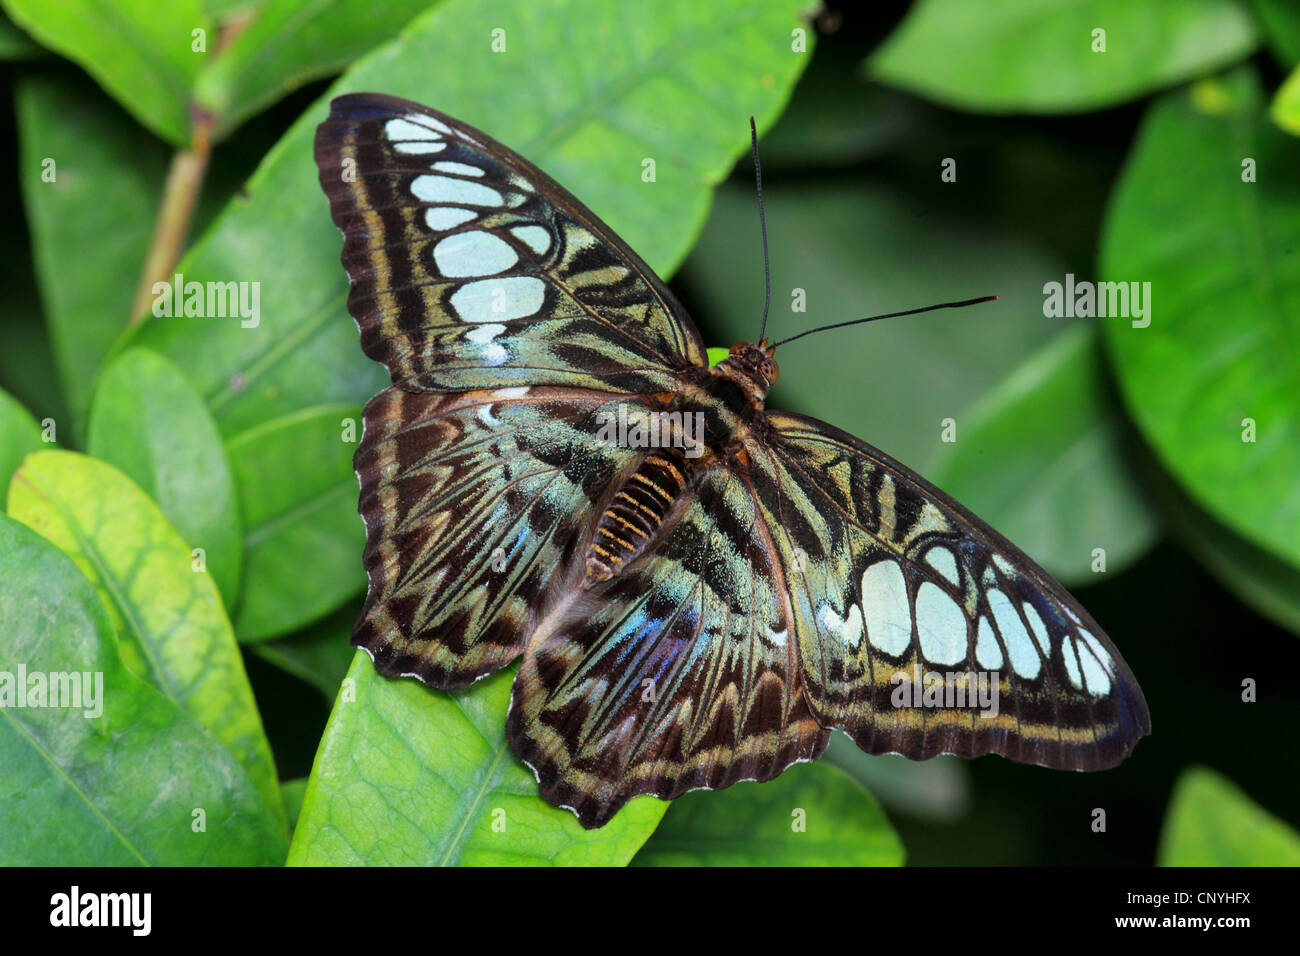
[[679, 674], [894, 581], [471, 268], [471, 500]]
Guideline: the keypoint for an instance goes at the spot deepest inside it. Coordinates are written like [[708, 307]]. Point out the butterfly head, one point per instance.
[[751, 366]]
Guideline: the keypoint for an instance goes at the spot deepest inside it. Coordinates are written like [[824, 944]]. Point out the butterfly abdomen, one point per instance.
[[636, 512]]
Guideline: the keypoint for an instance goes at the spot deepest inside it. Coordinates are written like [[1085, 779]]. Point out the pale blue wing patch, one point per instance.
[[886, 609], [940, 626]]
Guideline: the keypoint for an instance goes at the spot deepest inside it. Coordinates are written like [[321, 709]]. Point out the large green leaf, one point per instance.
[[140, 51], [302, 535], [129, 786], [19, 437], [812, 815], [854, 250], [1281, 22], [149, 422], [90, 225], [1043, 458], [169, 619], [588, 121], [1266, 583], [290, 43], [14, 44], [406, 775], [1223, 346], [1211, 822], [1036, 56]]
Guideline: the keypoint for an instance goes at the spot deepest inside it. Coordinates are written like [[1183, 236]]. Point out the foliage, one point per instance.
[[180, 496]]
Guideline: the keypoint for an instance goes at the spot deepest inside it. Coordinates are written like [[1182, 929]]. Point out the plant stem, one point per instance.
[[180, 195], [181, 191]]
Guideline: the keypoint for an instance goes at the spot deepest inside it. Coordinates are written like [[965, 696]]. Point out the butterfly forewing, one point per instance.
[[471, 268], [898, 583]]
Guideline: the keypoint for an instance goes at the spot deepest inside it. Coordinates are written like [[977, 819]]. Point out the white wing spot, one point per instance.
[[534, 237], [1024, 656], [885, 607], [1038, 627], [519, 296], [942, 560], [461, 192], [1070, 652], [474, 253], [941, 625], [847, 630], [1095, 665], [404, 129], [987, 653], [442, 218], [494, 353], [419, 148], [459, 169], [429, 121]]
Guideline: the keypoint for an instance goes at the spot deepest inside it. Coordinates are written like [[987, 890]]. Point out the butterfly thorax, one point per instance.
[[752, 368], [725, 400]]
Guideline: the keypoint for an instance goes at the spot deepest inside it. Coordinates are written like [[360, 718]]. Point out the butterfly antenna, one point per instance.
[[762, 225], [890, 315]]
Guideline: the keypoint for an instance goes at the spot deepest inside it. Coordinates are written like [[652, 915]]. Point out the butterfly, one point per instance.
[[699, 589]]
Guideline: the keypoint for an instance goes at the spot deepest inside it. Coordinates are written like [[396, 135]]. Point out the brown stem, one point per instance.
[[180, 195]]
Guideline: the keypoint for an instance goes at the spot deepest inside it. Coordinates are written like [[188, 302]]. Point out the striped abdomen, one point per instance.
[[636, 512]]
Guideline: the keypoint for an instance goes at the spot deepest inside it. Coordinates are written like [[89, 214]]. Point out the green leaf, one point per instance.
[[1267, 584], [407, 776], [108, 176], [15, 44], [1031, 56], [1286, 104], [588, 128], [320, 654], [292, 792], [1223, 347], [838, 117], [854, 249], [1042, 457], [148, 421], [169, 619], [122, 788], [19, 437], [1281, 22], [302, 536], [812, 815], [1211, 822], [290, 43], [137, 50]]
